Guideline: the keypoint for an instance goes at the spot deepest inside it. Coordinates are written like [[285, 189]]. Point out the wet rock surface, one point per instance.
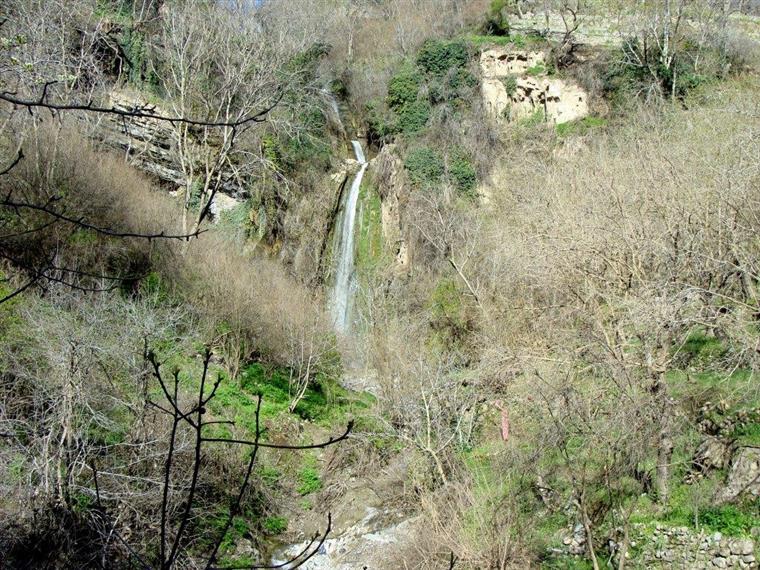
[[366, 543]]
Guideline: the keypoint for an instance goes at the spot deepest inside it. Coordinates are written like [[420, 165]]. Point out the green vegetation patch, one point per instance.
[[510, 84], [275, 525], [536, 70], [730, 520], [369, 239], [463, 174], [580, 126], [413, 116], [324, 401], [424, 165], [403, 87], [436, 57], [309, 481]]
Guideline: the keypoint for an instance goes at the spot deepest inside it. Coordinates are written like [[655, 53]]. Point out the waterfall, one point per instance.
[[344, 249]]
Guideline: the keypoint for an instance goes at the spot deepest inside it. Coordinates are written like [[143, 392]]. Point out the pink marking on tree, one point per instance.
[[504, 420]]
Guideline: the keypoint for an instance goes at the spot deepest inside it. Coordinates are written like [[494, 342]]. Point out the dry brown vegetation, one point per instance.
[[529, 361], [594, 264]]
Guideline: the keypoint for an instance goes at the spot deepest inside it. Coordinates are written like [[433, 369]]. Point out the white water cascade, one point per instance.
[[344, 285]]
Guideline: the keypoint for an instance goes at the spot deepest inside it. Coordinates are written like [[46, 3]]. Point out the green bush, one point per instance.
[[271, 150], [412, 117], [536, 118], [403, 87], [380, 125], [425, 166], [270, 476], [275, 525], [510, 84], [463, 175], [305, 63], [437, 56], [451, 87], [461, 79], [449, 320]]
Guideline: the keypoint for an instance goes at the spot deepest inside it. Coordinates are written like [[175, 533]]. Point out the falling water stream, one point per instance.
[[344, 285]]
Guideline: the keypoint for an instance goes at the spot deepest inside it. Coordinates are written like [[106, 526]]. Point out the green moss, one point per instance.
[[369, 236]]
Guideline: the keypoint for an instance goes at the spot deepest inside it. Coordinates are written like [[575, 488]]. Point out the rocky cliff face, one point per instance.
[[308, 224], [150, 145], [516, 85], [306, 219], [388, 172]]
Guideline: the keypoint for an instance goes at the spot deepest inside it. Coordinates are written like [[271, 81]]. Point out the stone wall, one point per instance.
[[684, 548]]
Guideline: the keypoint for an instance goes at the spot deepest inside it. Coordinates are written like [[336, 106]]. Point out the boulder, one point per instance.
[[712, 453], [743, 476]]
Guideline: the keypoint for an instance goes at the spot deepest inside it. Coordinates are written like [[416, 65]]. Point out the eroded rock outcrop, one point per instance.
[[150, 144], [743, 476], [516, 86], [388, 172]]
